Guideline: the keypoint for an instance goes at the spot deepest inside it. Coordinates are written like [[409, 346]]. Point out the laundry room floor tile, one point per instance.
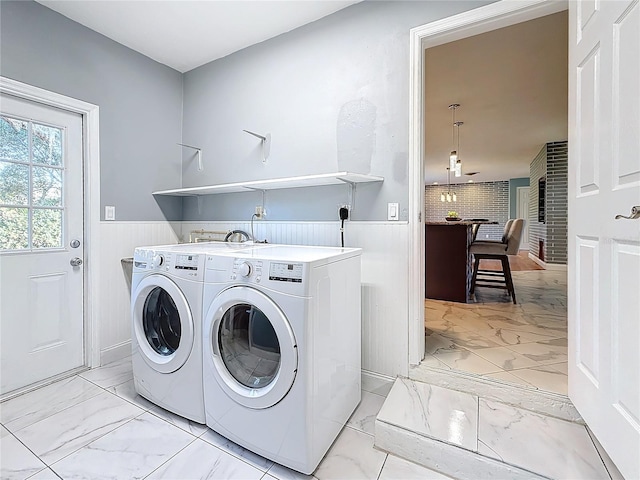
[[396, 468], [228, 446], [351, 456], [59, 435], [193, 428], [365, 415], [538, 443], [456, 422], [110, 374], [127, 391], [279, 472], [29, 408], [16, 459], [46, 474], [133, 450], [202, 460]]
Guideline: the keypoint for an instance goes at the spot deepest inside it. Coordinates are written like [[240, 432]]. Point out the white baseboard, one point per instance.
[[115, 352], [545, 265]]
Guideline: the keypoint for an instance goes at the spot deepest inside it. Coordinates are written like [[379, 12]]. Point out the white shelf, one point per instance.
[[338, 178]]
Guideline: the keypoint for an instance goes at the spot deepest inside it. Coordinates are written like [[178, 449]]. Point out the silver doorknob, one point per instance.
[[75, 261], [635, 213]]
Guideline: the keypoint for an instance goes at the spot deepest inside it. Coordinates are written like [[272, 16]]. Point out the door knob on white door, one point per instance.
[[75, 261], [635, 213]]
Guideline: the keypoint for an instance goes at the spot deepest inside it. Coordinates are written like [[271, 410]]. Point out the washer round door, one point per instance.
[[252, 346], [162, 323]]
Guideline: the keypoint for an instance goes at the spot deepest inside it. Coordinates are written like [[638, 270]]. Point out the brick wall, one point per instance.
[[488, 200], [537, 230], [551, 163], [557, 185]]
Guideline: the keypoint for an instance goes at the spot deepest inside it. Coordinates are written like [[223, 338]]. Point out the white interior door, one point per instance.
[[41, 236], [604, 253], [522, 211]]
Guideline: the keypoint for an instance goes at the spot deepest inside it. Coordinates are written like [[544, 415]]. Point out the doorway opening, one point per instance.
[[523, 344]]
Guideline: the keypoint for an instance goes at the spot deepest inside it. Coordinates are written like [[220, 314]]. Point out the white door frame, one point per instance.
[[91, 179], [474, 22]]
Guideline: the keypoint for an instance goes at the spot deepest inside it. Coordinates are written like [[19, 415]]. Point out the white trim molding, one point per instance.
[[473, 22], [91, 151]]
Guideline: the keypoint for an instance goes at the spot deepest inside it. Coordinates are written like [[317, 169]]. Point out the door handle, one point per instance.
[[75, 262], [635, 213]]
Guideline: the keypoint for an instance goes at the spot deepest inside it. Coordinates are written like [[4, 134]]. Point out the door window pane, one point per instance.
[[14, 139], [47, 187], [31, 174], [46, 230], [161, 322], [47, 145], [14, 184], [249, 346], [14, 228]]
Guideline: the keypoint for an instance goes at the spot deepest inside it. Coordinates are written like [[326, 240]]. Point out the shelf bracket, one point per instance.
[[265, 140], [198, 153], [351, 198]]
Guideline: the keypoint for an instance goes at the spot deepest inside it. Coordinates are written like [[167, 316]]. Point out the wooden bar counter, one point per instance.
[[448, 264]]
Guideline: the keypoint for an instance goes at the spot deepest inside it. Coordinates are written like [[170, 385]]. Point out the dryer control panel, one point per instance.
[[285, 272], [183, 265]]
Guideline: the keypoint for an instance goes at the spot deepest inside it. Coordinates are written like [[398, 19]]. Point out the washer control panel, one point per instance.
[[285, 272], [183, 265]]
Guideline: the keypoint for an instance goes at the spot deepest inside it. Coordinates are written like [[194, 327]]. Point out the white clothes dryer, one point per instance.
[[166, 313], [281, 349]]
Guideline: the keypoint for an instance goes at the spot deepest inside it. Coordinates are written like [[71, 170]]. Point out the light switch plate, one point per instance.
[[392, 211], [109, 212]]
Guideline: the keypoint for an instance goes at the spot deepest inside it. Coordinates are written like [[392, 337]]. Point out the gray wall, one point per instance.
[[514, 183], [334, 95], [488, 200], [140, 102]]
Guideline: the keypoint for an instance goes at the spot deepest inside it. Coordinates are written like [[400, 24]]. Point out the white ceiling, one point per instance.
[[511, 85], [185, 34]]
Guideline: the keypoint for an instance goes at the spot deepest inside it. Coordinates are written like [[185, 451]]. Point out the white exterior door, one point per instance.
[[41, 236], [604, 253], [522, 211]]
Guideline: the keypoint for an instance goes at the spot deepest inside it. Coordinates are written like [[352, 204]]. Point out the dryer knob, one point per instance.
[[244, 269], [157, 261]]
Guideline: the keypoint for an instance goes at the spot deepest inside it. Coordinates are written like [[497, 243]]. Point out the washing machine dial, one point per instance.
[[244, 269], [157, 260]]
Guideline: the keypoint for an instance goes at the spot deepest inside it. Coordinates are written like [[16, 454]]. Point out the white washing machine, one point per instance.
[[281, 349], [166, 313]]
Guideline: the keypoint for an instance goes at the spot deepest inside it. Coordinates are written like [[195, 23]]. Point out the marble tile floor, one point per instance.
[[472, 433], [95, 426], [523, 344]]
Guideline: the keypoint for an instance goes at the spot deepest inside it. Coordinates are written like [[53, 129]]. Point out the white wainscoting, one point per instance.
[[385, 278], [117, 241]]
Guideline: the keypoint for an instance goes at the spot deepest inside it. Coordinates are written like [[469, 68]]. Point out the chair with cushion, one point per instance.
[[493, 250]]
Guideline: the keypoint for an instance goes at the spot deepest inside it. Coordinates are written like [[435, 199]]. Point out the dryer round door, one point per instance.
[[252, 346], [162, 323]]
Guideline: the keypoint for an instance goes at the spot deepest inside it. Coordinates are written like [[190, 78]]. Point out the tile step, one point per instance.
[[467, 436]]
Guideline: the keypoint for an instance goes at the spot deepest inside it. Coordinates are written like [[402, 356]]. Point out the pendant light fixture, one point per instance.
[[453, 156], [449, 196], [457, 170]]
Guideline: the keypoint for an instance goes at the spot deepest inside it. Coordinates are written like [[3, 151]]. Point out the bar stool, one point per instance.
[[493, 250]]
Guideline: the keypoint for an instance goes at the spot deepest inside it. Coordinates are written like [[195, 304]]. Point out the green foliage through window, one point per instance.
[[31, 185]]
